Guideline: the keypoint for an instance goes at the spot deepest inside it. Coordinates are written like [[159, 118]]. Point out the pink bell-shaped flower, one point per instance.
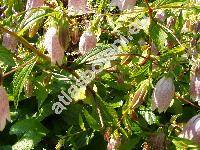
[[78, 7], [53, 46], [192, 130], [4, 108], [87, 42], [34, 4], [160, 15], [195, 82], [124, 4], [163, 94], [9, 42], [158, 141]]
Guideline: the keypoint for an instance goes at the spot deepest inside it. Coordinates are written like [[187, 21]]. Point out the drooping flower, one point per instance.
[[163, 94], [9, 42], [158, 141], [4, 108], [195, 82], [170, 21], [124, 4], [192, 130], [34, 4], [87, 42], [154, 49], [78, 7], [53, 46], [160, 15]]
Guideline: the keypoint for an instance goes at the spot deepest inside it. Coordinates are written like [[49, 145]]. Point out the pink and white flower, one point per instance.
[[195, 82], [78, 7], [163, 94], [192, 129], [160, 15], [53, 46], [4, 108], [9, 42], [87, 42], [124, 4], [34, 4]]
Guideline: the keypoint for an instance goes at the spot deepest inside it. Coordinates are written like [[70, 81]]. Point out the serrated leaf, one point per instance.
[[157, 35], [95, 54], [140, 71], [6, 57], [31, 130], [93, 123], [28, 140], [181, 143], [44, 111], [19, 80], [108, 113], [33, 17], [149, 116], [27, 125], [81, 123], [41, 93]]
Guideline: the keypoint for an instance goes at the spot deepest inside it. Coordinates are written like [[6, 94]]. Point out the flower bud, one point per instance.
[[170, 21], [195, 82], [87, 42], [163, 94], [53, 46], [75, 35], [64, 37], [169, 44], [124, 4], [160, 15], [139, 96], [154, 49], [192, 130], [4, 108], [77, 7], [10, 42]]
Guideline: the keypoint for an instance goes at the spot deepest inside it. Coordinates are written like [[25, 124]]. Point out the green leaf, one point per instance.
[[149, 116], [108, 113], [130, 143], [157, 35], [95, 54], [6, 57], [31, 130], [181, 143], [34, 16], [26, 125], [44, 111], [91, 121], [81, 123], [19, 80], [28, 141], [41, 93], [143, 70]]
